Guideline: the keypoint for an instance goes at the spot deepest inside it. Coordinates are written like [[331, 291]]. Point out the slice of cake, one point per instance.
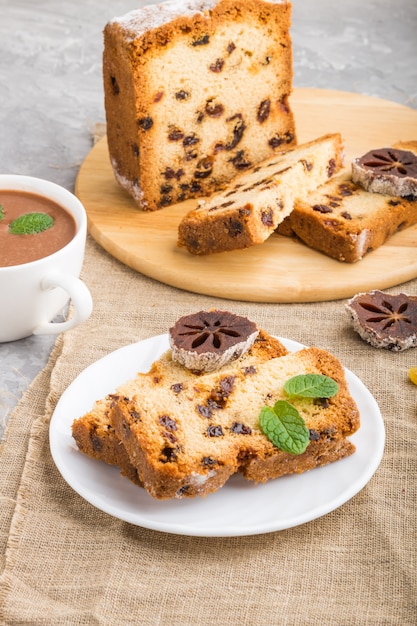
[[251, 207], [194, 93], [345, 222], [94, 433], [188, 440]]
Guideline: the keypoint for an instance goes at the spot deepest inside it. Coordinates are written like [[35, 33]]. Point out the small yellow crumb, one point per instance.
[[412, 372]]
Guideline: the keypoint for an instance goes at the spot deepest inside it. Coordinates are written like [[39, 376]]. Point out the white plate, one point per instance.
[[238, 508]]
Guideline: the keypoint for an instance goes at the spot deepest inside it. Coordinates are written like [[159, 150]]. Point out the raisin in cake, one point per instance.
[[94, 433], [255, 202], [195, 92], [188, 440], [345, 222]]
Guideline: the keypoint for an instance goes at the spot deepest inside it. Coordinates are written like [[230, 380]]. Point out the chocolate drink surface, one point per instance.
[[17, 249]]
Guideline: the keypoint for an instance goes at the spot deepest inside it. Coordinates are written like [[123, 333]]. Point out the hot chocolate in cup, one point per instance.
[[40, 273]]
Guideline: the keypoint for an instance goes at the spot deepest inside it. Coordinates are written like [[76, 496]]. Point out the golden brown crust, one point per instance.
[[187, 441], [251, 207], [193, 100], [345, 222]]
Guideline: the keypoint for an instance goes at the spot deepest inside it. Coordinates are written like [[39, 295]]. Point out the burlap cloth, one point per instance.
[[67, 563]]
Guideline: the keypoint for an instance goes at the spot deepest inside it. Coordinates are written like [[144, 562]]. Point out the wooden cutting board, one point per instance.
[[281, 269]]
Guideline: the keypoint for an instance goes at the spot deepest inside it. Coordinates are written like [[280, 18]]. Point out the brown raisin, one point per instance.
[[322, 208], [204, 410], [204, 168], [276, 141], [235, 228], [168, 455], [238, 130], [331, 168], [145, 123], [240, 429], [346, 215], [264, 110], [170, 436], [158, 96], [177, 387], [203, 41], [344, 190], [114, 85], [182, 95], [239, 161], [190, 140], [165, 201], [213, 109], [267, 218], [195, 187], [230, 47], [168, 422], [217, 66], [96, 442], [169, 173], [207, 461], [175, 135], [249, 370], [215, 431]]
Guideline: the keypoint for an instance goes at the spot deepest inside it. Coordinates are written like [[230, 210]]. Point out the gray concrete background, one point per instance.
[[51, 94]]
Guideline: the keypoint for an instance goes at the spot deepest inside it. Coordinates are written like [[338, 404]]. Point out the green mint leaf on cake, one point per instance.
[[284, 426], [311, 386], [1, 212], [31, 223]]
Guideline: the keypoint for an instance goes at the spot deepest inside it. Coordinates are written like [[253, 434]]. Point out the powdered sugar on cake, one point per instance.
[[154, 15]]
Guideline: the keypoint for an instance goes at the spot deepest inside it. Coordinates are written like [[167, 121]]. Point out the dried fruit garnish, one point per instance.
[[397, 162], [385, 320], [206, 340], [388, 171]]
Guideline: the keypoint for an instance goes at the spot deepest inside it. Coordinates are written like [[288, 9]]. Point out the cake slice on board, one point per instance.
[[255, 202]]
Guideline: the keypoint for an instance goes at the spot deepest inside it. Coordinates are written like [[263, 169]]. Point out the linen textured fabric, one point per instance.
[[65, 562]]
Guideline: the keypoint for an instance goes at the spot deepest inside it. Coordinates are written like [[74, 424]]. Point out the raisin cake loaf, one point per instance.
[[94, 433], [345, 222], [255, 202], [195, 92], [188, 440]]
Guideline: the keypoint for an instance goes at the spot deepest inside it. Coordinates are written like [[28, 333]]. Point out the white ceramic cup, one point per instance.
[[32, 294]]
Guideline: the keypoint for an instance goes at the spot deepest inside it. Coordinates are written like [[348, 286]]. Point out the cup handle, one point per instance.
[[81, 299]]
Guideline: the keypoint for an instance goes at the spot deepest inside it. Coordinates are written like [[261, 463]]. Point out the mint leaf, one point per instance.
[[311, 386], [30, 223], [1, 212], [284, 426]]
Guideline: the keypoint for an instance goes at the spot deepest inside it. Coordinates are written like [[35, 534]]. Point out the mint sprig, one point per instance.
[[1, 212], [31, 223], [284, 426], [311, 386]]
